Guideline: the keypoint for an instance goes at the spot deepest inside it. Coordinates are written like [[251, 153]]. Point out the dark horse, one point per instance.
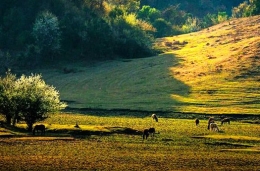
[[225, 120], [197, 121], [38, 128], [147, 132]]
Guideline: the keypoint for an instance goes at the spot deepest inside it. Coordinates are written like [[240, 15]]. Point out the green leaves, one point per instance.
[[29, 97], [47, 33]]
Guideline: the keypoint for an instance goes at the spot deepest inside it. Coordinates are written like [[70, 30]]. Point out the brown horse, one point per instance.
[[227, 120], [38, 128], [197, 121], [211, 120], [154, 117], [147, 132]]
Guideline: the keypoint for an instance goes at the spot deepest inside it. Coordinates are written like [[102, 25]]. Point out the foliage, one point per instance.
[[134, 37], [65, 30], [116, 12], [7, 97], [47, 33], [36, 99], [28, 98], [174, 15], [191, 25], [222, 16], [246, 9], [6, 61], [129, 6], [243, 10], [209, 20], [149, 14], [255, 6], [163, 28]]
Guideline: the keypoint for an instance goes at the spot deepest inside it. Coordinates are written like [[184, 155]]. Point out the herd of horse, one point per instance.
[[212, 126]]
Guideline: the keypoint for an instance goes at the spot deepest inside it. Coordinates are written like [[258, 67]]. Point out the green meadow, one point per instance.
[[116, 143]]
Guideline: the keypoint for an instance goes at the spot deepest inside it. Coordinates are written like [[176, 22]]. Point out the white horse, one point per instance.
[[154, 117], [211, 120], [214, 127]]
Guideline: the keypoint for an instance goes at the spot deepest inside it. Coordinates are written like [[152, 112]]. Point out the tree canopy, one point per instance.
[[34, 32], [28, 98]]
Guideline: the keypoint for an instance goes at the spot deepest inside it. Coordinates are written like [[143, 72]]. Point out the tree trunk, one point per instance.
[[14, 119], [30, 127], [8, 120]]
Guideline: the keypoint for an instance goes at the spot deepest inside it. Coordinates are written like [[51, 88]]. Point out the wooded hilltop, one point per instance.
[[34, 33]]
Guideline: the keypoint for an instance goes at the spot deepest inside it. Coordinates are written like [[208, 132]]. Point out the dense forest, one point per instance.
[[34, 33]]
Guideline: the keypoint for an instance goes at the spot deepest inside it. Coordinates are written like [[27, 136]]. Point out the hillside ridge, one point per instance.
[[221, 64], [213, 71]]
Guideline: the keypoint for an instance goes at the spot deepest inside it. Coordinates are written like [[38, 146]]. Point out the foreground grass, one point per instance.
[[235, 147]]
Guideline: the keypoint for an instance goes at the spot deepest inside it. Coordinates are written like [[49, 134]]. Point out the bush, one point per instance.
[[47, 33], [28, 98]]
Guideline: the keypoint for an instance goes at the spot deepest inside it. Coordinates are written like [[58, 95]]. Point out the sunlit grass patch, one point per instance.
[[220, 67], [250, 150], [86, 148], [230, 137], [5, 134]]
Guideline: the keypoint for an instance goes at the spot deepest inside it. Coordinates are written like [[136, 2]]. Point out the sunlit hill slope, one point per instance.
[[213, 71]]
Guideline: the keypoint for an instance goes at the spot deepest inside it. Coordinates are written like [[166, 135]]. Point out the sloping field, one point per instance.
[[221, 65], [138, 84], [214, 71]]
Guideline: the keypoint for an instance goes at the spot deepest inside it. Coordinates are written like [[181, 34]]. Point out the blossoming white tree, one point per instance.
[[47, 33], [36, 99], [29, 98]]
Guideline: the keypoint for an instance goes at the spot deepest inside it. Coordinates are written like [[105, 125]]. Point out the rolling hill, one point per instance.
[[213, 71]]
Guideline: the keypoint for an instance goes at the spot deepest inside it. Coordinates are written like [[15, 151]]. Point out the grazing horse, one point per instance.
[[147, 132], [211, 120], [227, 120], [214, 127], [197, 121], [39, 128], [154, 117]]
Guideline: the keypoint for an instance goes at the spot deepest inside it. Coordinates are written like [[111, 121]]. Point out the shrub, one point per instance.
[[28, 98], [47, 33]]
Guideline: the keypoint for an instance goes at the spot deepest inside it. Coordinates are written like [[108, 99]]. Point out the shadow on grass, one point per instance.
[[140, 88], [219, 143], [75, 133], [115, 112], [111, 130]]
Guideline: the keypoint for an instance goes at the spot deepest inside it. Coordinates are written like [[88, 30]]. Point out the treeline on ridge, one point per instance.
[[34, 32]]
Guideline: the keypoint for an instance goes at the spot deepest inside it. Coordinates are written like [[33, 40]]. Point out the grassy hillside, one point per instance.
[[214, 71], [221, 65]]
